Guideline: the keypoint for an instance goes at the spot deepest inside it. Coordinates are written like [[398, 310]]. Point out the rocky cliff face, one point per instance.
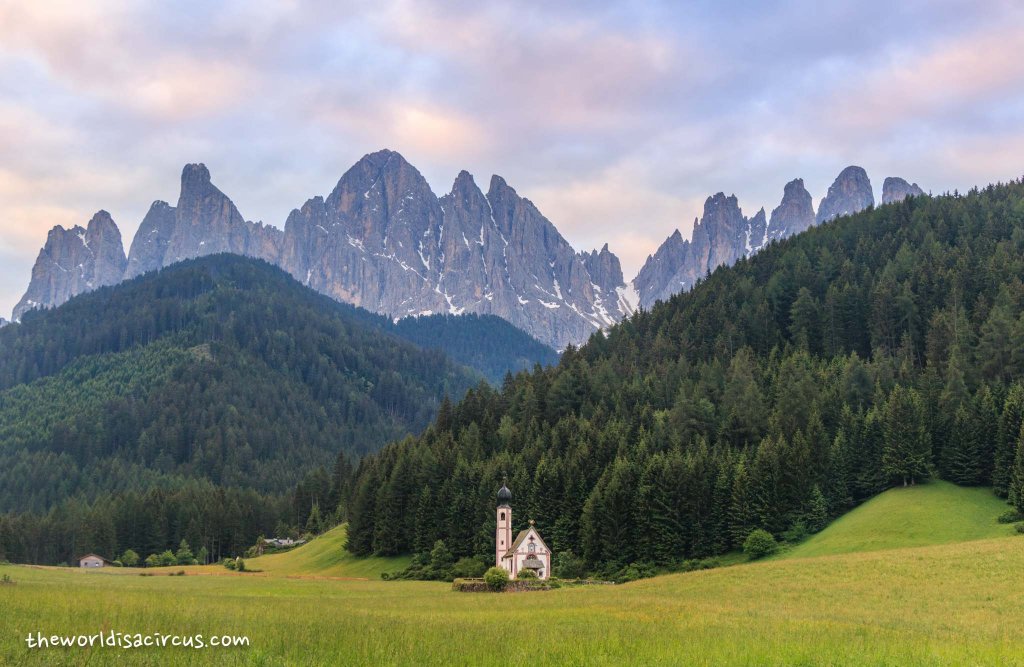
[[149, 247], [795, 212], [609, 286], [721, 236], [204, 222], [849, 193], [895, 189], [384, 241], [73, 261]]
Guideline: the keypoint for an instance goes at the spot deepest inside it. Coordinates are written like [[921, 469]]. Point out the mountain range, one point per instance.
[[384, 241], [722, 235]]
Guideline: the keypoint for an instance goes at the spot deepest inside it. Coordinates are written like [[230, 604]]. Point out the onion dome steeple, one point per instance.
[[504, 495]]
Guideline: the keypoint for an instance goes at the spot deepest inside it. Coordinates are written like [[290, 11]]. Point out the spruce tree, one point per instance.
[[907, 443], [1016, 488], [1007, 432]]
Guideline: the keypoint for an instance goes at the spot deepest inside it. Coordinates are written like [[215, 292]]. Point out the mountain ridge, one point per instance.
[[382, 240]]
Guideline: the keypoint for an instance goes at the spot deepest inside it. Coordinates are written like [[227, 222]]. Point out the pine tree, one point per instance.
[[1016, 490], [817, 512], [1010, 421], [907, 449], [838, 480], [961, 456], [743, 402]]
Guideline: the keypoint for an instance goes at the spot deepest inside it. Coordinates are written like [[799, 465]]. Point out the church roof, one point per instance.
[[519, 540]]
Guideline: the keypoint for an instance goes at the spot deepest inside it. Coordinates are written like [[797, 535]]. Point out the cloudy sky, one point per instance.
[[616, 119]]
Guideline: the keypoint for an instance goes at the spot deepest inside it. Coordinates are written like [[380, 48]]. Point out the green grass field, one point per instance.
[[915, 516], [955, 603], [323, 557]]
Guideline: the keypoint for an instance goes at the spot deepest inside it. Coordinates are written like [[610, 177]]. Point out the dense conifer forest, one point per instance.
[[873, 351], [485, 343], [189, 403]]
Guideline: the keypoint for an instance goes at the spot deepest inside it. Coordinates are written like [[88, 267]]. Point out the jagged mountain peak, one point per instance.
[[722, 235], [383, 240], [719, 200], [74, 261], [465, 186], [795, 212], [849, 193], [194, 174], [896, 189], [101, 218]]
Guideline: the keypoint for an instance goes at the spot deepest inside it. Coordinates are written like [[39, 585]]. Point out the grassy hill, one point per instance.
[[927, 514], [325, 556], [941, 605]]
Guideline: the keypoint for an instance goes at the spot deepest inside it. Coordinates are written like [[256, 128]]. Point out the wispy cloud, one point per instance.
[[616, 118]]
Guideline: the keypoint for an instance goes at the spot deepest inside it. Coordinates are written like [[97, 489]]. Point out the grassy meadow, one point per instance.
[[915, 516], [954, 603]]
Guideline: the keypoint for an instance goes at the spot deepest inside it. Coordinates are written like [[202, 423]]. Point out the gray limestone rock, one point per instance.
[[848, 194], [795, 212], [895, 189], [73, 261]]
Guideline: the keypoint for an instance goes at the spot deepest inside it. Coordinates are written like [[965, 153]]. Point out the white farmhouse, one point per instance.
[[92, 561]]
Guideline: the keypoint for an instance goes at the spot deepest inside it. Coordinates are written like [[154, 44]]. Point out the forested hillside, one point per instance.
[[222, 369], [873, 351], [485, 343]]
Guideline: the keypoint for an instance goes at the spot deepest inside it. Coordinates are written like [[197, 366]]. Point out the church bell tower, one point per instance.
[[503, 534]]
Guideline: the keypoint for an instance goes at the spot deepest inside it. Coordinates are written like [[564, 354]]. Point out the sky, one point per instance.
[[616, 118]]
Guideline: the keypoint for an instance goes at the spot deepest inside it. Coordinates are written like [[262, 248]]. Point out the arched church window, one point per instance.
[[502, 516], [532, 547]]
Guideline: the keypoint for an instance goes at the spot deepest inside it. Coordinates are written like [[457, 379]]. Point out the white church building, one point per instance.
[[527, 551]]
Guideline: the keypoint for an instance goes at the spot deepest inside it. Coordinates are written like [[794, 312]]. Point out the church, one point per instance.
[[527, 552]]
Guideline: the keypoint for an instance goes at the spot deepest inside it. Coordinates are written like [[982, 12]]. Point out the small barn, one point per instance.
[[92, 561]]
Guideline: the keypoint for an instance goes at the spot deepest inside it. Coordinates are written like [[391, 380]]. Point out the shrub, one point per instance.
[[526, 574], [168, 558], [759, 544], [496, 578], [184, 555], [798, 532], [6, 580], [230, 564], [1010, 516], [129, 558], [468, 568], [700, 564], [152, 560], [634, 571], [1020, 528], [441, 560], [569, 566], [240, 564]]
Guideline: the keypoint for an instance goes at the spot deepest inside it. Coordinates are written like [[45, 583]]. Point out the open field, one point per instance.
[[915, 516], [947, 604]]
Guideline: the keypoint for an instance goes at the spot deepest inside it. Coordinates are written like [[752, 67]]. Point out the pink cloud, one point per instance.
[[912, 85]]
